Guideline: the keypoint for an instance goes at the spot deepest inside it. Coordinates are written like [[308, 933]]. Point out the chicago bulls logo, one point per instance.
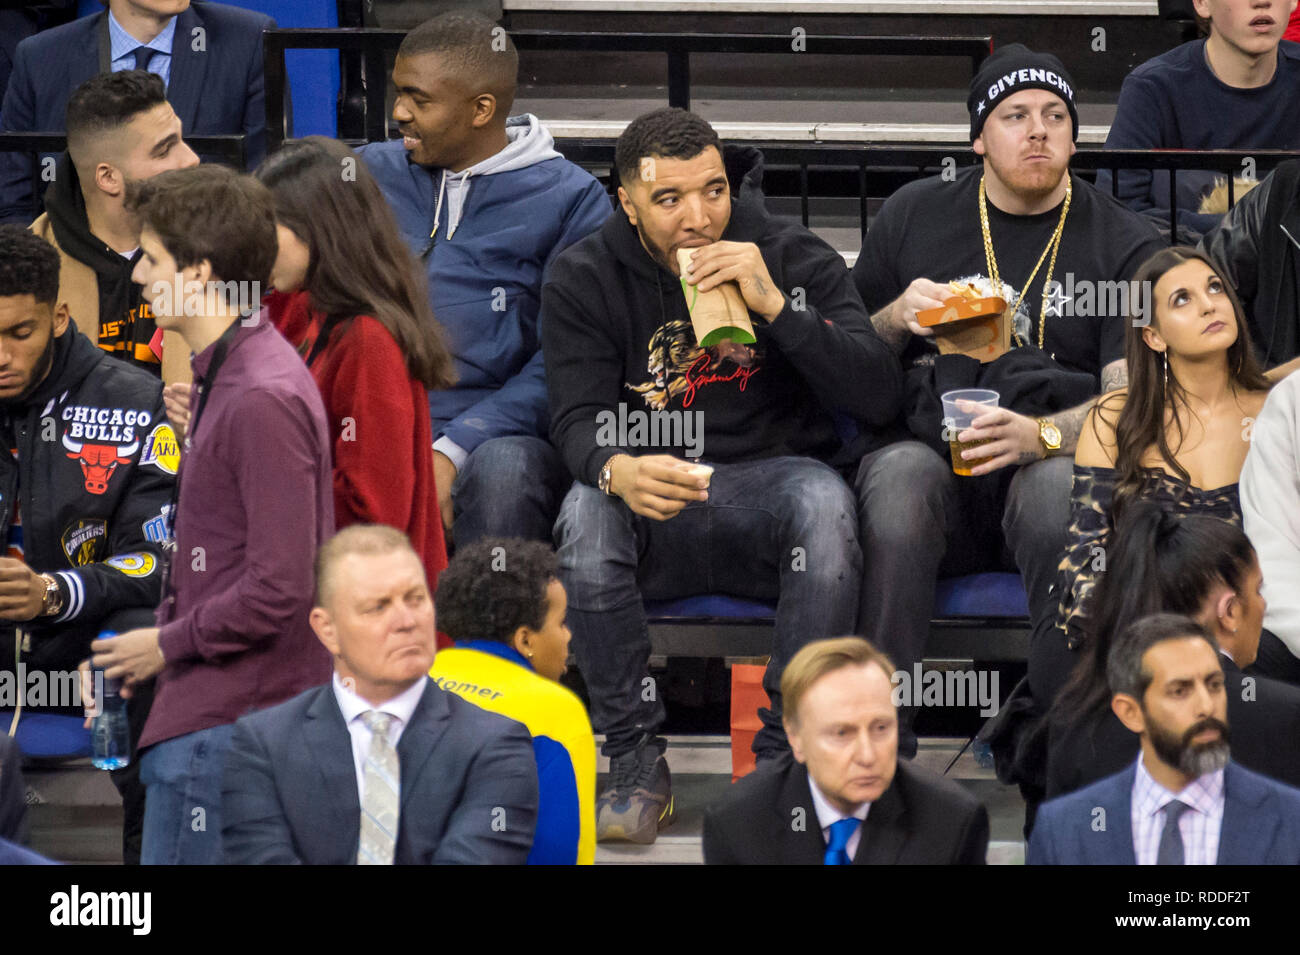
[[99, 461]]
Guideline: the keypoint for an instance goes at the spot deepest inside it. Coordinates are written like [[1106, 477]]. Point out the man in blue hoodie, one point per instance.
[[486, 203]]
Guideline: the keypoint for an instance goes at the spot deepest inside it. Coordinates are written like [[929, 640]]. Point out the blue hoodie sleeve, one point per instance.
[[520, 405]]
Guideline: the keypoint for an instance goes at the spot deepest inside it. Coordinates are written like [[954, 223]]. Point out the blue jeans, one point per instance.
[[509, 487], [777, 528], [182, 810]]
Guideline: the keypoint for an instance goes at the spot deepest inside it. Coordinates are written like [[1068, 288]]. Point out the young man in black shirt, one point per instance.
[[1023, 223], [634, 396]]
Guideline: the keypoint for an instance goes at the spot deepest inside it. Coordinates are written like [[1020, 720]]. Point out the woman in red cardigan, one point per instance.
[[349, 295]]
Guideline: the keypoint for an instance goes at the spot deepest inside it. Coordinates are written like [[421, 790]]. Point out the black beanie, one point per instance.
[[1016, 67]]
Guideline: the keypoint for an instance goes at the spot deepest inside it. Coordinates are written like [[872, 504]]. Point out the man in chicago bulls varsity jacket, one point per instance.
[[87, 464], [638, 402]]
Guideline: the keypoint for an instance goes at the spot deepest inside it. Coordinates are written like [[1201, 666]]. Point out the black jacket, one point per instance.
[[615, 329], [93, 477], [768, 818], [1263, 261]]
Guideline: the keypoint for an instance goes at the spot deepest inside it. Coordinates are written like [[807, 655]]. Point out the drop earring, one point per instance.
[[1164, 361]]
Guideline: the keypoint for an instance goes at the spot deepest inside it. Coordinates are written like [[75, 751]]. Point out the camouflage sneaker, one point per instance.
[[638, 799]]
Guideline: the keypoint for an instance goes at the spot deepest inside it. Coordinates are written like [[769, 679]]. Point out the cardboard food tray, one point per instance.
[[977, 327]]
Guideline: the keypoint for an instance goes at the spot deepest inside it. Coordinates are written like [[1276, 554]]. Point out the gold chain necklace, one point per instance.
[[1053, 246]]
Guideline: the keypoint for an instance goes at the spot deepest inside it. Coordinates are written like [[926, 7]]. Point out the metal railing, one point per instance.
[[371, 46], [809, 159], [224, 148]]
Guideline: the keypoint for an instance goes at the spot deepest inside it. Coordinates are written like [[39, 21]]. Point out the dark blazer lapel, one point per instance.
[[429, 723], [189, 68], [1247, 830], [885, 830], [798, 846], [104, 45], [1113, 845], [330, 746]]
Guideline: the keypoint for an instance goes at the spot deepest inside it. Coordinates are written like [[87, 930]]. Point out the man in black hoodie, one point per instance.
[[120, 129], [633, 394], [87, 466]]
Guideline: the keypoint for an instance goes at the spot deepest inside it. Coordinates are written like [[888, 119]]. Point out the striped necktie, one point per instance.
[[381, 795]]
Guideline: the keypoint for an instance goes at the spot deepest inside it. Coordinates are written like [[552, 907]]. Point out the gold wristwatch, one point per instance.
[[1050, 435], [607, 475], [52, 601]]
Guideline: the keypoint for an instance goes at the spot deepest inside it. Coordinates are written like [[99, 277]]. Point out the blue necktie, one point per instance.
[[143, 55], [841, 833]]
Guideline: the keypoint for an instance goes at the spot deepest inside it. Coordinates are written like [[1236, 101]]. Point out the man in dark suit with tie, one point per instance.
[[381, 766], [209, 56], [846, 798], [1183, 801]]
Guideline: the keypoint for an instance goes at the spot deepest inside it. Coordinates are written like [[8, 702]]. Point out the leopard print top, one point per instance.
[[1090, 503]]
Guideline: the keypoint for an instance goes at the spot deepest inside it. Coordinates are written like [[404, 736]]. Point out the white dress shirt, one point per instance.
[[400, 707], [1199, 826], [828, 815]]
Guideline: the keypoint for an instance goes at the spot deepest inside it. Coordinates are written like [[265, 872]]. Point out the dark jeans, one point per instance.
[[779, 528], [919, 522], [509, 487]]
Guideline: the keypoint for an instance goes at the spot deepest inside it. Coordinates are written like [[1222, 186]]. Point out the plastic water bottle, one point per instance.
[[110, 733]]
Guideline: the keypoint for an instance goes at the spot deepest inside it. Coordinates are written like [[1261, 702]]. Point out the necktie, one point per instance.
[[380, 802], [143, 55], [841, 833], [1171, 840]]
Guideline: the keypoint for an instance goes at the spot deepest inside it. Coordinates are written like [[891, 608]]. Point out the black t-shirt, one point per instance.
[[931, 229]]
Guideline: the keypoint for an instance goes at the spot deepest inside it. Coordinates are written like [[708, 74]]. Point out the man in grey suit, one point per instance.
[[380, 766], [1183, 801]]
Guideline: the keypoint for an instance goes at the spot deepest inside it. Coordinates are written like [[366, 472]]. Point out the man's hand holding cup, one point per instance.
[[658, 486]]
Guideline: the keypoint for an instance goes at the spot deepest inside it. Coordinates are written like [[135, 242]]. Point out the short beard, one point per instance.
[[1030, 186], [656, 253], [39, 372], [1193, 760]]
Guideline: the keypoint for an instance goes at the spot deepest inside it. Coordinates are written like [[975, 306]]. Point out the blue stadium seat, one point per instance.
[[49, 736], [313, 74], [976, 614]]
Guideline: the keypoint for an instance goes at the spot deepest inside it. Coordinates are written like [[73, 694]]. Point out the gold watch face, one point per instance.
[[1051, 435]]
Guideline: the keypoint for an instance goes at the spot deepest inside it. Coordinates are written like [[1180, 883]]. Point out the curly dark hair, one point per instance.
[[668, 133], [28, 265], [493, 587]]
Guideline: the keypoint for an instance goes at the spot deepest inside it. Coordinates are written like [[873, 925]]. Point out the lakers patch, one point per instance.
[[133, 565], [82, 541], [162, 450]]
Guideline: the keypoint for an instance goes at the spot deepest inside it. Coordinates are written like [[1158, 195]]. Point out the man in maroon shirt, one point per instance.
[[254, 503]]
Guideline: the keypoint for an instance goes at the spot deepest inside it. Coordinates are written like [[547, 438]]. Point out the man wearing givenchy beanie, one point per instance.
[[1020, 226], [1012, 68]]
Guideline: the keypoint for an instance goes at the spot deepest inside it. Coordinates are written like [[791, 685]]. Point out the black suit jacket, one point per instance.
[[468, 785], [1263, 727], [768, 818], [215, 85]]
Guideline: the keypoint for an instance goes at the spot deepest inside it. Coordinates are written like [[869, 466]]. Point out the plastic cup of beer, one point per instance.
[[960, 408]]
